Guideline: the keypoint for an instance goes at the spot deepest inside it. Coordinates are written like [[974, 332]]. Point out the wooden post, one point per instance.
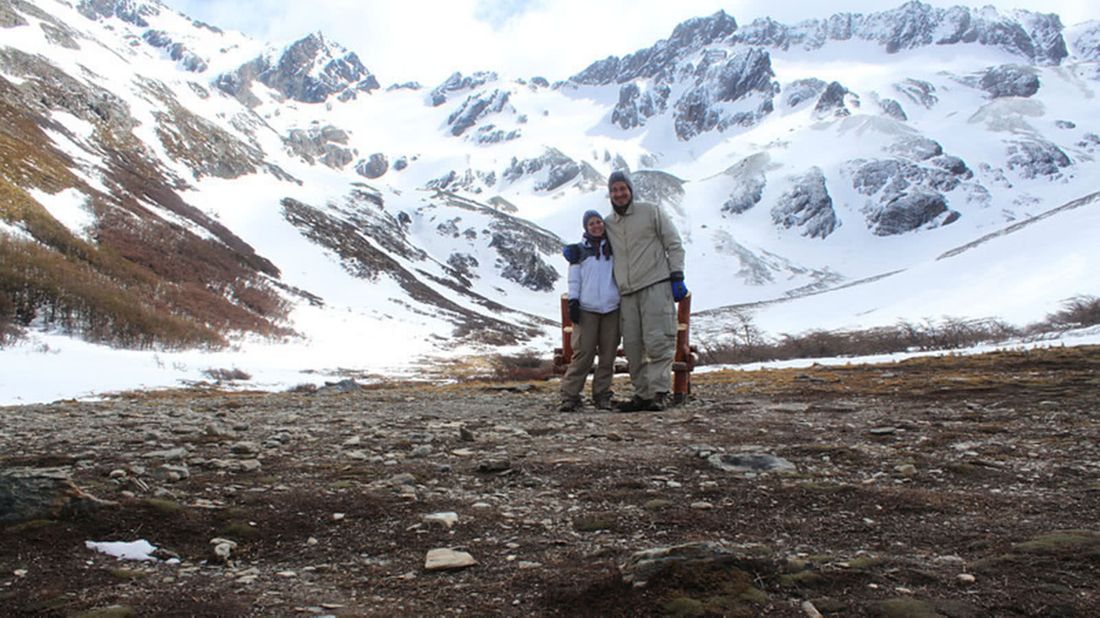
[[683, 363], [562, 361]]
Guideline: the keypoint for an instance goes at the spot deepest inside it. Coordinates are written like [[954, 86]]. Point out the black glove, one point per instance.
[[575, 310], [572, 253]]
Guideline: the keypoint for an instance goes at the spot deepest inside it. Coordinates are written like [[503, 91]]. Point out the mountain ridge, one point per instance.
[[240, 188]]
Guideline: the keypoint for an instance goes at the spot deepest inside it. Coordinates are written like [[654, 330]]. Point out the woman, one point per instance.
[[594, 311]]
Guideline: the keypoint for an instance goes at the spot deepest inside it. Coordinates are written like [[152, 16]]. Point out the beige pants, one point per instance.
[[597, 333], [649, 338]]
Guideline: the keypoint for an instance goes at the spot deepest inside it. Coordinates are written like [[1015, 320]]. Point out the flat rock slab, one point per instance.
[[448, 559], [750, 463]]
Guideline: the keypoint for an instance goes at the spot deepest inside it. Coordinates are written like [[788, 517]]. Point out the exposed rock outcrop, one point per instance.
[[1009, 80], [807, 205], [802, 90], [456, 83], [749, 182], [893, 109], [909, 211], [325, 144], [701, 107], [558, 168], [634, 107], [834, 101], [476, 107], [129, 11], [920, 92], [189, 60], [373, 167], [1031, 158]]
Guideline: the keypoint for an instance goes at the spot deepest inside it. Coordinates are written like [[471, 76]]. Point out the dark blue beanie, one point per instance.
[[588, 214]]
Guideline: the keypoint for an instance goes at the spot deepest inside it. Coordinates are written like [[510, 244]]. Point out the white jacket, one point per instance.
[[592, 281]]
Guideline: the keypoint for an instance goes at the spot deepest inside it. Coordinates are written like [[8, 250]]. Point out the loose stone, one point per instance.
[[446, 559]]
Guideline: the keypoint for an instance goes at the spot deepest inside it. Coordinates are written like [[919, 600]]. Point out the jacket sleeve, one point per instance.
[[670, 239], [574, 281]]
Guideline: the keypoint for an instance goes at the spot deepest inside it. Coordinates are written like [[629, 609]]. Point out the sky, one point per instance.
[[426, 41]]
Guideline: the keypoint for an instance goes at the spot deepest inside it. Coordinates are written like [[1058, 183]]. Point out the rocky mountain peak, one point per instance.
[[700, 31], [1037, 37], [312, 69], [309, 70], [659, 61], [130, 11]]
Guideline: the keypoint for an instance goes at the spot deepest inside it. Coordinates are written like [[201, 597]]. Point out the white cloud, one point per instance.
[[426, 40]]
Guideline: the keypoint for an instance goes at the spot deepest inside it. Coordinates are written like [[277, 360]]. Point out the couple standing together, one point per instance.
[[625, 278]]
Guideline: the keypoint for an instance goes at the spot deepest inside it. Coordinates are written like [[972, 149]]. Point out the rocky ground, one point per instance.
[[958, 486]]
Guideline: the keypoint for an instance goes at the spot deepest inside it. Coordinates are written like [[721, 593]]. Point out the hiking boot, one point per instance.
[[636, 404], [569, 404], [660, 402], [603, 402]]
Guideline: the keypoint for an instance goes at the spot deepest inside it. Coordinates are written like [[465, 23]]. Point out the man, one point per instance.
[[649, 270]]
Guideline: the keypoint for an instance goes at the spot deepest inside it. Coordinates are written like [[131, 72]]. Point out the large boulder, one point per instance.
[[28, 494]]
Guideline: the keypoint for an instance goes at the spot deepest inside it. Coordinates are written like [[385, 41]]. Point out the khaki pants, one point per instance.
[[649, 338], [596, 333]]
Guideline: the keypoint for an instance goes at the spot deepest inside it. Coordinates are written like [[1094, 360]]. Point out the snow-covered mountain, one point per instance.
[[165, 181]]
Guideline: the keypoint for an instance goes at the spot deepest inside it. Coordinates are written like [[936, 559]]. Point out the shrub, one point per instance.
[[8, 330], [747, 345], [227, 375], [1076, 312], [521, 367]]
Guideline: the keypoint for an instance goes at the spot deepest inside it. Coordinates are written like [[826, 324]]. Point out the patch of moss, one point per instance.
[[827, 605], [684, 606], [343, 484], [114, 611], [593, 522], [127, 574], [51, 603], [864, 562], [239, 530], [657, 504], [802, 579], [797, 565], [993, 564], [754, 595], [1062, 542], [27, 526], [906, 608], [824, 487], [168, 507], [710, 589]]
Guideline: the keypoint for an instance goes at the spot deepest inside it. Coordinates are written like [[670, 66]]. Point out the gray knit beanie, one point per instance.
[[620, 176]]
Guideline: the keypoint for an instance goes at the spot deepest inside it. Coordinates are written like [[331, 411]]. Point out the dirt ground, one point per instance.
[[962, 486]]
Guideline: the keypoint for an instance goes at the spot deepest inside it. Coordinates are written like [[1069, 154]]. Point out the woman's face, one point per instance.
[[595, 227]]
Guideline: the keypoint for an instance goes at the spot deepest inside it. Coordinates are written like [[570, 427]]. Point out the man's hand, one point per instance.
[[575, 310], [679, 289], [572, 253]]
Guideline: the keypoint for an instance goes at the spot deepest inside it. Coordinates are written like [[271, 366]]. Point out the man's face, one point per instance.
[[620, 194]]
